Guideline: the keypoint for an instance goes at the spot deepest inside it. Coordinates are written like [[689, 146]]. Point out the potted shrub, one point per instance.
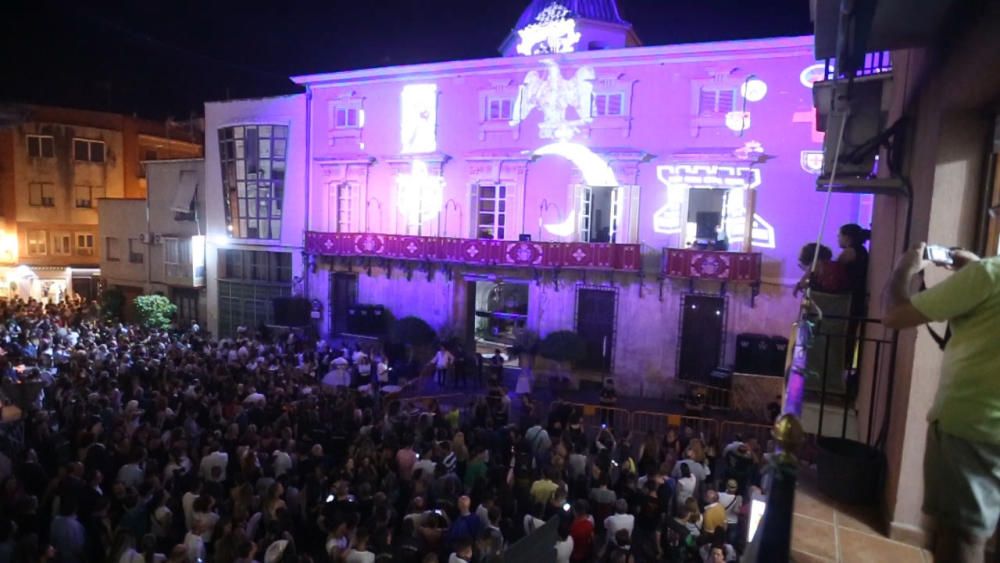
[[564, 347]]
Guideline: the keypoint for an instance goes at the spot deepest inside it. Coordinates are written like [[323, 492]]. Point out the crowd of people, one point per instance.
[[152, 445]]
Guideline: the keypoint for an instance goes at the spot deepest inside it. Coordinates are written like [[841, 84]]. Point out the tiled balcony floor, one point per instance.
[[826, 531]]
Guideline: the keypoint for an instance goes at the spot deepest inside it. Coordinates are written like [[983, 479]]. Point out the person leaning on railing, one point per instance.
[[962, 459]]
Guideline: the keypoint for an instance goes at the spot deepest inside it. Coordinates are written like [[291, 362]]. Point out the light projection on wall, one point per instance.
[[679, 178], [419, 118], [420, 194], [738, 121], [555, 96], [811, 161], [809, 116], [812, 74], [753, 89], [552, 32], [594, 170]]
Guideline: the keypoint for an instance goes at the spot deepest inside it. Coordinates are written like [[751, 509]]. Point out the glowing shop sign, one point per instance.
[[679, 178], [555, 95], [812, 74], [811, 161], [592, 167], [420, 194], [754, 90], [552, 32], [419, 122]]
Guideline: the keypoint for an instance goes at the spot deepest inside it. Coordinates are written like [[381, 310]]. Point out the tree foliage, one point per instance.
[[155, 311]]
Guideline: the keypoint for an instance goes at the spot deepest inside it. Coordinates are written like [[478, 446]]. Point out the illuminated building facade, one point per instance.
[[545, 190], [56, 165]]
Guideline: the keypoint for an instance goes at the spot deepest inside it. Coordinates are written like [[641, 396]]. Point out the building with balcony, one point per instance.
[[157, 244], [55, 166], [632, 194]]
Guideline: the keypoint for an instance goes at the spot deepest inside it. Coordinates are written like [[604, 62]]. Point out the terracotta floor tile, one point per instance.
[[813, 537], [802, 557], [861, 519], [812, 505], [857, 547]]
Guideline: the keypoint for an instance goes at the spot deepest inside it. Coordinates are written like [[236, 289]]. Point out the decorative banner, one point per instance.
[[480, 252], [712, 265], [811, 161]]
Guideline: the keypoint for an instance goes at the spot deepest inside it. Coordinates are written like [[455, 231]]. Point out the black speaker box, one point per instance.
[[291, 311]]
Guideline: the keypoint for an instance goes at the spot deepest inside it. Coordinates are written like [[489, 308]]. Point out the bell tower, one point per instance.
[[565, 26]]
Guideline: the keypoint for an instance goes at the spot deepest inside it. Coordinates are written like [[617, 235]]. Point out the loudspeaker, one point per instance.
[[753, 353], [524, 237], [291, 311], [779, 348], [367, 320]]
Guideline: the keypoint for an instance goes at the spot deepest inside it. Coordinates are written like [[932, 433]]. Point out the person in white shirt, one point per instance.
[[217, 458], [620, 520], [463, 552], [442, 361], [564, 546], [733, 503], [686, 485], [358, 553]]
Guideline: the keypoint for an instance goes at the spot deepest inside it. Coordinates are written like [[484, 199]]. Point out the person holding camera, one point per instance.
[[962, 459]]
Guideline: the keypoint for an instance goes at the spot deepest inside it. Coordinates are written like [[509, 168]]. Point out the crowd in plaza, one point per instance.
[[149, 445]]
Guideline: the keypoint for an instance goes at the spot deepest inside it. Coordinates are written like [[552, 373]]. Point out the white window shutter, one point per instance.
[[631, 214], [473, 215]]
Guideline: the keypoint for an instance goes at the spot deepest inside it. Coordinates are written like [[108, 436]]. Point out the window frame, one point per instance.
[[253, 178], [343, 213], [502, 101], [61, 249], [108, 247], [40, 243], [41, 145], [42, 200], [135, 257], [501, 209], [91, 144], [347, 111], [93, 194], [606, 96], [81, 248]]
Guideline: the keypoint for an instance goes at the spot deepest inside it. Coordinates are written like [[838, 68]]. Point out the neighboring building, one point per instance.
[[631, 170], [55, 165], [934, 119], [157, 244]]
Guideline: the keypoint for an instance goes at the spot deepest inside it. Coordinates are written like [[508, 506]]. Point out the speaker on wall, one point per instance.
[[524, 237], [367, 320]]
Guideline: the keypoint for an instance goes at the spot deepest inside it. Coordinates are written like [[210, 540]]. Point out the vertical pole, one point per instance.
[[750, 203]]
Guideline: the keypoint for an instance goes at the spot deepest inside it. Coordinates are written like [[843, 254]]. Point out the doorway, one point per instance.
[[702, 325], [343, 295], [499, 310], [595, 323], [599, 213]]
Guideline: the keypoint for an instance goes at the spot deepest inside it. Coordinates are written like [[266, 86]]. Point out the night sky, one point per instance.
[[164, 58]]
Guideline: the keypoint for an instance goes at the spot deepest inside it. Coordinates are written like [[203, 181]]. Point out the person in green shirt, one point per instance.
[[476, 469], [962, 458]]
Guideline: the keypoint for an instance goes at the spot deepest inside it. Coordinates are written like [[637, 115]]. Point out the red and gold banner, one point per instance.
[[711, 265], [479, 252]]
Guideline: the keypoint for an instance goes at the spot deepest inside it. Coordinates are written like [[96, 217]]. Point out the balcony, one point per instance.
[[478, 252], [713, 265]]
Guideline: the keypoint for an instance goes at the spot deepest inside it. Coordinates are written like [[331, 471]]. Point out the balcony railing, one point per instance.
[[478, 252], [711, 265], [879, 62]]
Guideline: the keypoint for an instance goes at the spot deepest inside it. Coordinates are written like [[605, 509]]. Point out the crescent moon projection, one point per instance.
[[592, 167]]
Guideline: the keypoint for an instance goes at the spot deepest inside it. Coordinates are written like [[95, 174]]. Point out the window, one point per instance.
[[347, 118], [62, 244], [498, 109], [84, 244], [41, 194], [177, 257], [112, 249], [253, 179], [247, 304], [41, 146], [600, 214], [135, 254], [343, 206], [608, 105], [37, 243], [85, 150], [716, 100], [491, 203], [85, 197], [257, 265]]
